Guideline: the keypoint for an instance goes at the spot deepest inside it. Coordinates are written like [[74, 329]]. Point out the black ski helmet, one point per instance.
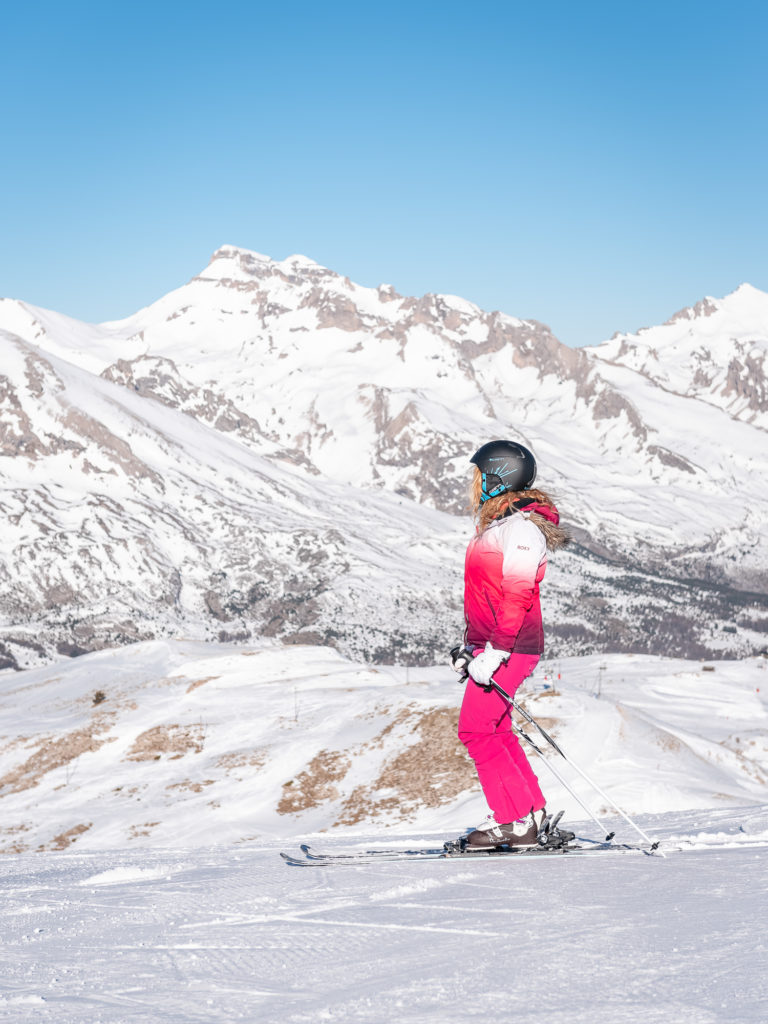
[[506, 466]]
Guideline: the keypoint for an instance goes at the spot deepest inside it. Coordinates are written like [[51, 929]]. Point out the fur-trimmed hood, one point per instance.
[[548, 521]]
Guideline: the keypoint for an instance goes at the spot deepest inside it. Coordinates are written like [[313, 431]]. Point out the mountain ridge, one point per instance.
[[347, 405]]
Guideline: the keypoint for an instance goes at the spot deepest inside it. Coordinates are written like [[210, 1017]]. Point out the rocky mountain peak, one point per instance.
[[704, 307], [232, 264]]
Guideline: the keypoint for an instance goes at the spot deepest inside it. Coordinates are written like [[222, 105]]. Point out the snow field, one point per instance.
[[148, 790], [225, 935]]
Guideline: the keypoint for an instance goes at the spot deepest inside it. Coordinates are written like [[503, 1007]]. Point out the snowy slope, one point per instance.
[[147, 791], [182, 744], [189, 453], [225, 935]]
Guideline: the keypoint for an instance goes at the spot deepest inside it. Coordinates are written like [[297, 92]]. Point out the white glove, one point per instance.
[[484, 665]]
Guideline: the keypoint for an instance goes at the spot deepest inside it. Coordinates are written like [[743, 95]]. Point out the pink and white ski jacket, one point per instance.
[[503, 568]]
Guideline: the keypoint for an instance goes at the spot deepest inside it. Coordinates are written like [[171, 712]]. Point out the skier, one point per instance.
[[505, 563]]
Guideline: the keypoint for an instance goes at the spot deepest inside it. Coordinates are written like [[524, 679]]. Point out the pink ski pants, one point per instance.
[[485, 729]]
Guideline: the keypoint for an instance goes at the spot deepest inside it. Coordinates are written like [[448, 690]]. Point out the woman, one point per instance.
[[505, 563]]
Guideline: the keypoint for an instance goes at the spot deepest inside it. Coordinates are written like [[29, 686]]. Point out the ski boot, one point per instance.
[[517, 834]]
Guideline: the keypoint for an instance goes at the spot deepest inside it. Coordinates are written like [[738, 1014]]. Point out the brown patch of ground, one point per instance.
[[669, 743], [172, 740], [200, 682], [255, 758], [191, 787], [12, 830], [52, 754], [65, 839], [316, 782], [141, 831], [410, 711], [16, 846], [429, 773], [18, 741], [133, 791]]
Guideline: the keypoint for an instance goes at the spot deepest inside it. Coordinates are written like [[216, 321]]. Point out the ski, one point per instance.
[[454, 851]]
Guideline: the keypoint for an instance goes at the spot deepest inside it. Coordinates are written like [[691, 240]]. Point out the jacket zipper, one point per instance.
[[488, 600]]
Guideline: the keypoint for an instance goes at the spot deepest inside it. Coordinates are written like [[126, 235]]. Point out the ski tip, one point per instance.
[[290, 859]]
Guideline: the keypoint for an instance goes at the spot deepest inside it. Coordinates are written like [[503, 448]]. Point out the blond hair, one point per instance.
[[484, 512]]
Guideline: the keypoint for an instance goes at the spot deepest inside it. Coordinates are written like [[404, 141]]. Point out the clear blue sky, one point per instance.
[[595, 166]]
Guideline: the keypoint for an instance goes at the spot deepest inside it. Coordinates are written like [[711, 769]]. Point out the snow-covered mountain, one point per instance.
[[125, 519], [272, 449], [714, 351]]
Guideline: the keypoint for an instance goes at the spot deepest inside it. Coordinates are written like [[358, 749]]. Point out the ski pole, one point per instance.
[[592, 783], [561, 780]]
